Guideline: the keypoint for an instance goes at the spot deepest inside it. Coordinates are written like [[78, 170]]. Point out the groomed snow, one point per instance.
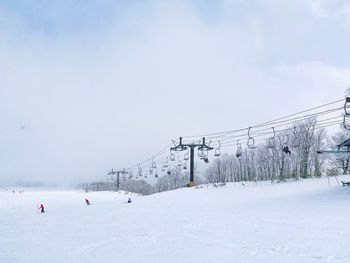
[[303, 221]]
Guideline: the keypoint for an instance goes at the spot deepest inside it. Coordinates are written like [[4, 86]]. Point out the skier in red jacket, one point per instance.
[[42, 209]]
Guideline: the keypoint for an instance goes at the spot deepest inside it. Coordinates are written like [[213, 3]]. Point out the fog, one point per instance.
[[93, 85]]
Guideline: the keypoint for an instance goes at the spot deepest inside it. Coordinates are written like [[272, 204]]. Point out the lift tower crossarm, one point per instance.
[[118, 172], [184, 146]]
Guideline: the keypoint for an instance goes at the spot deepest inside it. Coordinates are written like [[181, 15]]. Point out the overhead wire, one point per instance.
[[229, 138], [264, 123], [325, 125]]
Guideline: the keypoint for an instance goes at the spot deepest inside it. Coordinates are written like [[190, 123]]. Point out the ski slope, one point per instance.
[[303, 221]]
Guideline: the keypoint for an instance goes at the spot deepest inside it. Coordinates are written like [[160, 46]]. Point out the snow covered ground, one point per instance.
[[304, 221]]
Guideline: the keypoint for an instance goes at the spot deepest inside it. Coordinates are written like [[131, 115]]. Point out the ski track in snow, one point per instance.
[[302, 221]]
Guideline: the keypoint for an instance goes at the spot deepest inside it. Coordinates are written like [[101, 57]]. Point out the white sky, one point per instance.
[[101, 84]]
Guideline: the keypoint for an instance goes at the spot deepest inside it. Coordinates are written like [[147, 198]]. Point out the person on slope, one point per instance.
[[129, 200], [87, 201], [42, 209]]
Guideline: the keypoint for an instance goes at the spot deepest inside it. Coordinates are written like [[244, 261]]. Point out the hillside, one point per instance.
[[303, 221]]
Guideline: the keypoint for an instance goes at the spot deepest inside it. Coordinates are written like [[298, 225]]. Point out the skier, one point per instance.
[[286, 150], [87, 201], [129, 200], [42, 209]]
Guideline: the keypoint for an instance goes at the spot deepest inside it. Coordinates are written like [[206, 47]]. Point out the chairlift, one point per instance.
[[166, 163], [139, 173], [150, 170], [271, 143], [204, 156], [154, 165], [285, 147], [201, 154], [239, 150], [340, 163], [186, 156], [130, 174], [179, 163], [184, 166], [172, 157], [250, 141], [346, 122], [156, 175], [217, 150], [347, 101], [168, 171]]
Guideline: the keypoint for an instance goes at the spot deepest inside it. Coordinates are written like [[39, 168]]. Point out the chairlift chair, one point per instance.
[[271, 143], [346, 121], [172, 157], [201, 154], [186, 157], [130, 173], [168, 171], [286, 150], [217, 150], [154, 165], [340, 164], [347, 112], [139, 173], [250, 141], [347, 101], [285, 147], [239, 150], [179, 163], [204, 156], [166, 163]]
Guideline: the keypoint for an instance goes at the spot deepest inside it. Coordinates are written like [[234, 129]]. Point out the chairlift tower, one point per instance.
[[118, 172], [184, 146], [344, 147]]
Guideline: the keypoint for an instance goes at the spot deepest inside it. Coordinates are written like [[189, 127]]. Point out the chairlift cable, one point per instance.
[[226, 136], [289, 121], [261, 132], [264, 123], [317, 126], [232, 143], [276, 126]]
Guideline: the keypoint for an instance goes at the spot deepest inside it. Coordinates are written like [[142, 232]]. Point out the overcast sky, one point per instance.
[[89, 85]]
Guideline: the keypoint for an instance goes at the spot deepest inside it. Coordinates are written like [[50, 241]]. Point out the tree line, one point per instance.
[[287, 155]]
